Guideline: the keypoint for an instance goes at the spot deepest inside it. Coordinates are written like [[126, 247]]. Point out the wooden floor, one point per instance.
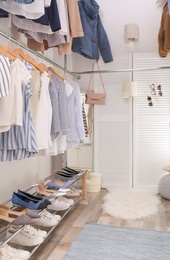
[[58, 242]]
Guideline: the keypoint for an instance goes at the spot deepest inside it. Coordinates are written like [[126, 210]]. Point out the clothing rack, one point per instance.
[[120, 70], [7, 36], [75, 74]]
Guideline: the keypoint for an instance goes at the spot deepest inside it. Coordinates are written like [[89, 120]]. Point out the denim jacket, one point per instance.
[[95, 38]]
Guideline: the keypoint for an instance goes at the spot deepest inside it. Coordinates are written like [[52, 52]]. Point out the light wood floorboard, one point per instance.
[[58, 242]]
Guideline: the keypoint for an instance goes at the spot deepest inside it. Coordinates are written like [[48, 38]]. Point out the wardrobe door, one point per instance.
[[113, 125], [151, 122]]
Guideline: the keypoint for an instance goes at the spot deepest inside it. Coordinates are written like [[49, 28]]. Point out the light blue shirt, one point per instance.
[[76, 118], [59, 102]]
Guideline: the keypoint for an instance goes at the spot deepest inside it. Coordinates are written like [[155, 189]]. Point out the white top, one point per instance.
[[11, 107], [63, 14], [43, 115], [30, 25], [47, 3], [53, 39], [30, 11], [35, 87], [59, 145]]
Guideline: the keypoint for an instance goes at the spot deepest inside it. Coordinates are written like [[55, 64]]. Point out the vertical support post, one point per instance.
[[65, 64], [84, 188]]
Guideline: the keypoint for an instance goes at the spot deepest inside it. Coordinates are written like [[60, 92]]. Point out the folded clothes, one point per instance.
[[67, 184]]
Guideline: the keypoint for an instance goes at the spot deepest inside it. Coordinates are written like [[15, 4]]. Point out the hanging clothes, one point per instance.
[[20, 141], [60, 115], [5, 77], [43, 115], [11, 106], [84, 120], [75, 114], [33, 10], [164, 33], [90, 45]]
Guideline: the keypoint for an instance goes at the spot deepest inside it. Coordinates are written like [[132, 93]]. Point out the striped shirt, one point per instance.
[[19, 1], [5, 78], [20, 141]]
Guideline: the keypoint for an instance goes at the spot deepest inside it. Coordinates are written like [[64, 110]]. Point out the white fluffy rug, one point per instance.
[[130, 203]]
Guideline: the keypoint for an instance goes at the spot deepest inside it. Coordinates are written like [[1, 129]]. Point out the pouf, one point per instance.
[[93, 186], [164, 186], [95, 177]]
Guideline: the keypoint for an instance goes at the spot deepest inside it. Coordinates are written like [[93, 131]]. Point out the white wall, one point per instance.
[[114, 15]]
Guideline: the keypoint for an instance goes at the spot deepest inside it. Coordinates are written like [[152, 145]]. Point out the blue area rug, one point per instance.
[[102, 242]]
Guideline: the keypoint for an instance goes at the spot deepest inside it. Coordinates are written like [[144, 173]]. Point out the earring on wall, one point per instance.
[[153, 91], [149, 99], [159, 90]]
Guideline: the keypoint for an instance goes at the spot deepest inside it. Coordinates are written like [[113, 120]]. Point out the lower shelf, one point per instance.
[[32, 249]]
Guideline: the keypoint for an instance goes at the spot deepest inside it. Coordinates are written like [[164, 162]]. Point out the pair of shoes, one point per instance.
[[29, 236], [20, 220], [30, 213], [64, 176], [58, 205], [73, 193], [47, 213], [33, 197], [49, 193], [9, 252], [69, 201], [67, 184], [68, 169], [21, 200], [75, 172], [47, 219], [12, 212]]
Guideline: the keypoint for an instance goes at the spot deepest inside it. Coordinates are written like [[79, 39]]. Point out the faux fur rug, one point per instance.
[[130, 203]]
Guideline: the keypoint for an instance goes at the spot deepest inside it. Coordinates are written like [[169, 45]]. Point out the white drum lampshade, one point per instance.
[[130, 89], [131, 32]]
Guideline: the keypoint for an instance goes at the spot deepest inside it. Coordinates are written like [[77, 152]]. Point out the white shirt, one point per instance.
[[30, 25], [11, 107], [43, 115], [63, 14], [30, 11]]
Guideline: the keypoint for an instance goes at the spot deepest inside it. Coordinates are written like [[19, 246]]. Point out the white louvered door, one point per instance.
[[113, 126], [151, 123], [132, 140]]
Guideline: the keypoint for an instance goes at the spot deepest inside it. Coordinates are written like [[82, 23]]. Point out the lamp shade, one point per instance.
[[129, 89], [131, 32]]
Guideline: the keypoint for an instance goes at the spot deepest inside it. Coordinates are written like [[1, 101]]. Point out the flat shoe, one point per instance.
[[13, 212], [20, 220], [34, 198], [18, 199]]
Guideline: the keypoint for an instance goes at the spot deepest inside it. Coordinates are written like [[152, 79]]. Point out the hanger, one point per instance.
[[19, 53], [30, 60], [7, 54], [43, 66], [57, 73]]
